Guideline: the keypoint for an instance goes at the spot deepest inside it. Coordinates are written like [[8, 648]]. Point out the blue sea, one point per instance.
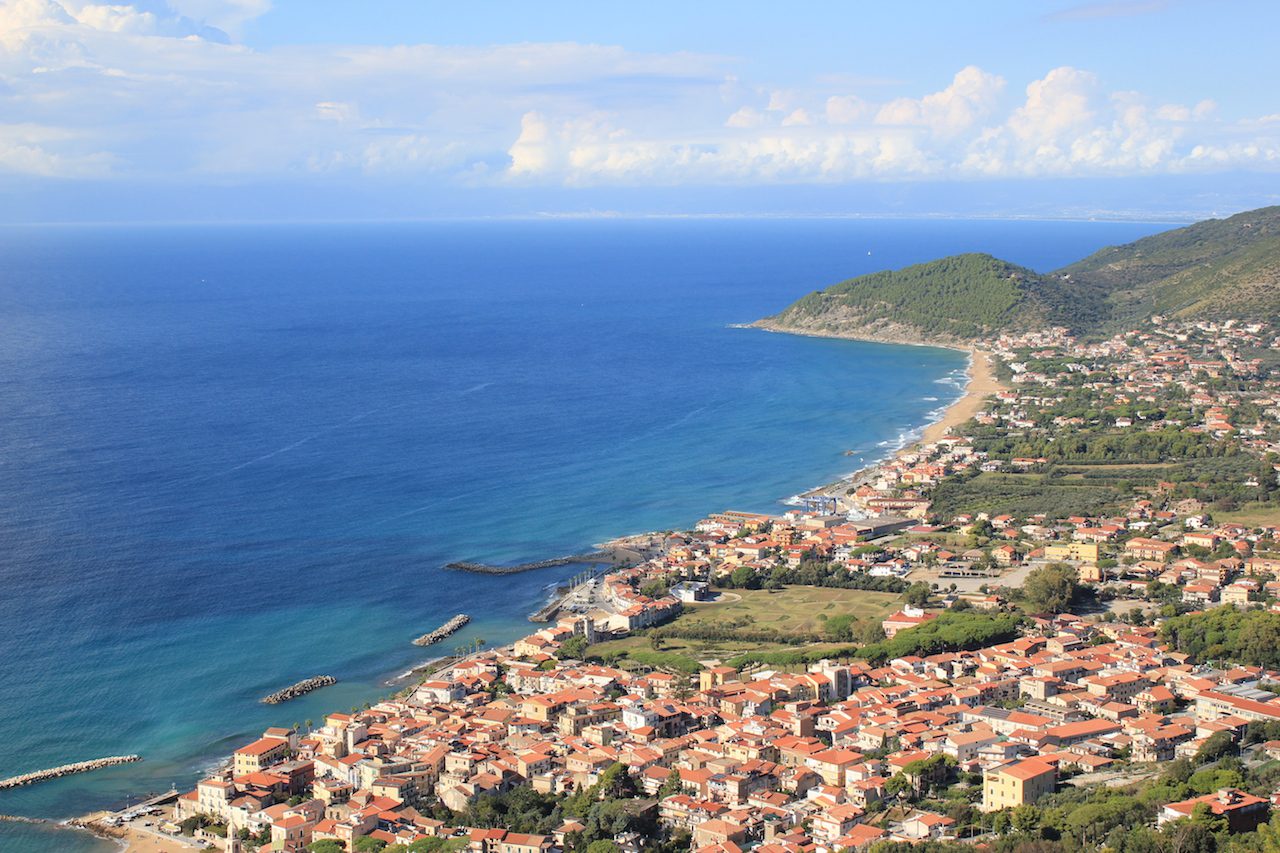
[[233, 457]]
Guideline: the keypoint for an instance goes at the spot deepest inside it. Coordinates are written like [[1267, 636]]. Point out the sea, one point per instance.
[[236, 456]]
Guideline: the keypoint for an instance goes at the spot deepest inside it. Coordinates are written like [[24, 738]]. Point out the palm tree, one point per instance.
[[480, 644]]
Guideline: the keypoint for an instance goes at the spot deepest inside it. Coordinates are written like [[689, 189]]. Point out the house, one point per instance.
[[1149, 549], [908, 617], [1244, 812], [1017, 783], [1199, 594], [925, 826]]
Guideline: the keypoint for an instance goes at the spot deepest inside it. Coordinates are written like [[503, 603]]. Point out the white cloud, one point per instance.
[[747, 117], [797, 118], [844, 109], [27, 149], [154, 89], [972, 96]]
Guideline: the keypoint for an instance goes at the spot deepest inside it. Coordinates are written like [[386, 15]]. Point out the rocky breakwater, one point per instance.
[[486, 569], [66, 770], [302, 688], [443, 631]]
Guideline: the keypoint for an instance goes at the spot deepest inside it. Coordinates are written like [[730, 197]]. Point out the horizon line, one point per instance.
[[1112, 216]]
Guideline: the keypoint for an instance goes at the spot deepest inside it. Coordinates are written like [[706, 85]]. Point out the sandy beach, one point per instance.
[[981, 385], [136, 839]]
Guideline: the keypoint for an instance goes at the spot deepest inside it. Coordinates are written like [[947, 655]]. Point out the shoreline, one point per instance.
[[849, 336], [980, 383]]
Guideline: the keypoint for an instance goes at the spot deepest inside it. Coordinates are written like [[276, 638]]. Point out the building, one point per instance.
[[1149, 549], [1244, 812], [904, 619], [1017, 783], [691, 591], [260, 755], [1084, 552]]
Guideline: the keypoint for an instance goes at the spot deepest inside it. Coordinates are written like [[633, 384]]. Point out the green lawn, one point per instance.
[[795, 609]]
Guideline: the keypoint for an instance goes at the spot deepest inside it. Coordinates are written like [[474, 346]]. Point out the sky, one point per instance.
[[283, 110]]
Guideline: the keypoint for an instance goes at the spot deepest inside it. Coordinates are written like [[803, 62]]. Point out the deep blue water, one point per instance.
[[234, 457]]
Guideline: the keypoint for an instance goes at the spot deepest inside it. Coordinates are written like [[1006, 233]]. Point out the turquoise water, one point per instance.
[[235, 457]]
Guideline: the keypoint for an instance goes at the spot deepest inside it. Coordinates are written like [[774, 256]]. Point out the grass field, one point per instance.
[[1024, 494], [795, 609], [1251, 515]]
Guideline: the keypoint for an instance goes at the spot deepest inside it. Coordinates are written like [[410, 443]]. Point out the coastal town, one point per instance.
[[1075, 641]]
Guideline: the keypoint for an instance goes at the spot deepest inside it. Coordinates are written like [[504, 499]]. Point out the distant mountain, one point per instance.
[[1213, 269]]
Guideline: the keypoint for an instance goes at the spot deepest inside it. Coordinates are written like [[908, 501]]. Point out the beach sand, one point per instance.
[[981, 385], [136, 839]]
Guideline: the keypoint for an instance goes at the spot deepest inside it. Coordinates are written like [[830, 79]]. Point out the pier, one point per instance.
[[302, 688], [443, 631], [66, 770]]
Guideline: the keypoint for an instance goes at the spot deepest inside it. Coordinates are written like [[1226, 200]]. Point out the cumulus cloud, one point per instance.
[[161, 89], [971, 97]]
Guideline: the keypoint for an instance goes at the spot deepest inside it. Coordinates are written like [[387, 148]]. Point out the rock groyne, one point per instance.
[[66, 770], [486, 569], [443, 631], [302, 688]]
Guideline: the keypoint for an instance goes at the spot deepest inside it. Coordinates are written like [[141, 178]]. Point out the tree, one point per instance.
[[427, 845], [744, 577], [1216, 746], [368, 844], [917, 595], [671, 786], [870, 632], [326, 845], [603, 845], [654, 589], [574, 647], [1050, 589], [615, 783], [1025, 818]]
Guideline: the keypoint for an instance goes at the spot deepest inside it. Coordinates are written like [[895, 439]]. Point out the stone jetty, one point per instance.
[[66, 770], [486, 569], [443, 631], [302, 688]]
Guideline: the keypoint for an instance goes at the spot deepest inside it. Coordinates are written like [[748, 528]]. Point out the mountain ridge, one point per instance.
[[1217, 268]]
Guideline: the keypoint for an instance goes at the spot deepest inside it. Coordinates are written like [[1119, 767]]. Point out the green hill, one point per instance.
[[1218, 268], [950, 300], [1214, 269]]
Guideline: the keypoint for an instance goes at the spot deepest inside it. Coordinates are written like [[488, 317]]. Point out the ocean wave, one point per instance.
[[411, 670]]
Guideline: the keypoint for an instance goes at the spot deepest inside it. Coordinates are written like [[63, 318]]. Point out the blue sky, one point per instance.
[[252, 109]]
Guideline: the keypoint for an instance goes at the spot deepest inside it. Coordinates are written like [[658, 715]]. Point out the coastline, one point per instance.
[[980, 383]]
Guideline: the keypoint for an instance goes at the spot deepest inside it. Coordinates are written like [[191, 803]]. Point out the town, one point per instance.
[[1078, 644]]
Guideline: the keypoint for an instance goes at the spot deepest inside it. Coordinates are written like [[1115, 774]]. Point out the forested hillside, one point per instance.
[[1213, 269]]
